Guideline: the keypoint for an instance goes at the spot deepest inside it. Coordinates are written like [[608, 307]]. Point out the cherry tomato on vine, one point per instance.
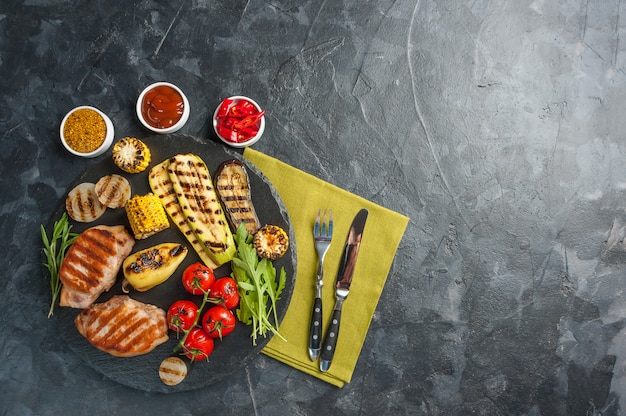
[[218, 322], [198, 278], [181, 315], [198, 345], [225, 291]]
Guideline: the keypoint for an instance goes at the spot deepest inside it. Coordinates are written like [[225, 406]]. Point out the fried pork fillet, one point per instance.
[[123, 327], [91, 264]]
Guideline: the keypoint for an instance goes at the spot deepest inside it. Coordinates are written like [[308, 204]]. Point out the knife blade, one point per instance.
[[342, 286]]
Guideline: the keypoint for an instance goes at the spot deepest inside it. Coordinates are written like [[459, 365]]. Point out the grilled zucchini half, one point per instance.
[[196, 195], [233, 187], [161, 185]]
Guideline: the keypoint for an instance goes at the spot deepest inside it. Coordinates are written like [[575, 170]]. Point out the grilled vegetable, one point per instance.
[[131, 155], [152, 266], [194, 188], [161, 185], [82, 203], [113, 191], [172, 370], [146, 216], [271, 242], [233, 187], [260, 287]]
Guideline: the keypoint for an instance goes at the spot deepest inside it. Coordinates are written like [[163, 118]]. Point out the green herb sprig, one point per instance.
[[55, 248], [258, 288]]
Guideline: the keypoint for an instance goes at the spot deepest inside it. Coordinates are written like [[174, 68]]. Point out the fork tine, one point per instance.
[[324, 224], [316, 227], [330, 224]]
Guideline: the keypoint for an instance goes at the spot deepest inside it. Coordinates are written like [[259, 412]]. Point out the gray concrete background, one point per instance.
[[496, 126]]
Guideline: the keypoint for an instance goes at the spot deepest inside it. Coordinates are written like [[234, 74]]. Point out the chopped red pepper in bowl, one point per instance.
[[239, 121]]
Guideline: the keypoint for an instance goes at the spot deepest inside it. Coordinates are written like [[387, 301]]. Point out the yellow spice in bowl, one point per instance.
[[84, 130]]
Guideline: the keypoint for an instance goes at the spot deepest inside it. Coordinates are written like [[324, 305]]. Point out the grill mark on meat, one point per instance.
[[92, 263], [88, 260], [123, 326], [122, 332]]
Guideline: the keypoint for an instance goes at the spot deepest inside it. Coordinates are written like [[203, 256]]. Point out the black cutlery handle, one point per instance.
[[330, 341], [315, 332]]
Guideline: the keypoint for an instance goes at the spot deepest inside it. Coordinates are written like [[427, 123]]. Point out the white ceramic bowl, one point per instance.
[[179, 124], [108, 139], [252, 140]]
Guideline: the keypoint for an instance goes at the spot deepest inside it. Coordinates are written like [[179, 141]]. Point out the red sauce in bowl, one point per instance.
[[162, 107]]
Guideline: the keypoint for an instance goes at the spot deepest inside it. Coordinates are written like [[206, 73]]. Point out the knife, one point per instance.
[[342, 286]]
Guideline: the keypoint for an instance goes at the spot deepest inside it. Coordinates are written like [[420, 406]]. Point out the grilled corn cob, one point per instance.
[[271, 242], [146, 215], [131, 155]]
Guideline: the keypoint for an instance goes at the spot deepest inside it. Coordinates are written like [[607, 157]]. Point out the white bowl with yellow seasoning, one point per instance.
[[86, 131]]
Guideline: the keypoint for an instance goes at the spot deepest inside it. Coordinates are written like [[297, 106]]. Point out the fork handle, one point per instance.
[[315, 332]]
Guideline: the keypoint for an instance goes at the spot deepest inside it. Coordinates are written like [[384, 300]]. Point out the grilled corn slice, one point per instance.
[[131, 155], [271, 242], [146, 215]]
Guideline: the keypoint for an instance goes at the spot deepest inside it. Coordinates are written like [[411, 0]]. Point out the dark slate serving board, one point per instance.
[[234, 351]]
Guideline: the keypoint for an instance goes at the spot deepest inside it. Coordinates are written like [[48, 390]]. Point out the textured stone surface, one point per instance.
[[497, 127]]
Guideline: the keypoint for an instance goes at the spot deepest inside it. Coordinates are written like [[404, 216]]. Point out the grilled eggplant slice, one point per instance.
[[233, 187], [161, 185], [196, 195], [152, 266]]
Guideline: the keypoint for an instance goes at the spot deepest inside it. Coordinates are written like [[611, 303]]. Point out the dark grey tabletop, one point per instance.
[[497, 127]]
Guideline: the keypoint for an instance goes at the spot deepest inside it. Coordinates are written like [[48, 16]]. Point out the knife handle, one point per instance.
[[330, 341], [315, 332]]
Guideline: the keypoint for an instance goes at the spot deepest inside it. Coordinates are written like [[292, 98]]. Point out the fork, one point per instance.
[[322, 234]]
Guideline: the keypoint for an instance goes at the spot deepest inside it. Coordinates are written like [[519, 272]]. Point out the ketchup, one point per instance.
[[162, 107]]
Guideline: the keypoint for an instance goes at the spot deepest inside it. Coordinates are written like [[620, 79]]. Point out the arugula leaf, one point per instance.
[[258, 289]]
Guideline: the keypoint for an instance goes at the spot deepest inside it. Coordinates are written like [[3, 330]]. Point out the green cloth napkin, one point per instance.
[[303, 195]]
